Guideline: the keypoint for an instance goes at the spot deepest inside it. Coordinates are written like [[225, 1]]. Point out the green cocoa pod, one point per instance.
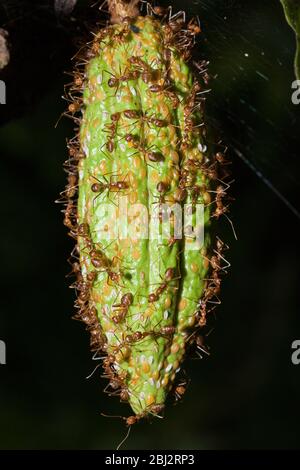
[[292, 14], [140, 151]]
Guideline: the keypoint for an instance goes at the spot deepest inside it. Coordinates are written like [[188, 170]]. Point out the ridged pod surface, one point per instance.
[[140, 150]]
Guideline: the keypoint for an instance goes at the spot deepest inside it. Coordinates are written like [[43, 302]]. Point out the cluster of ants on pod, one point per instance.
[[137, 99]]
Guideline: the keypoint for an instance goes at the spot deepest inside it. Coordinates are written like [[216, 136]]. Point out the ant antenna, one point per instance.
[[125, 438]]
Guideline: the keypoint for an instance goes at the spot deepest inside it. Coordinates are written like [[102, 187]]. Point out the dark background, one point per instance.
[[246, 394]]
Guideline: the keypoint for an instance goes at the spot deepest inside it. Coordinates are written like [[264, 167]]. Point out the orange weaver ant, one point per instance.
[[147, 72], [147, 153], [153, 409], [180, 389], [187, 114], [98, 258], [193, 27], [213, 287], [162, 189], [116, 81], [200, 344], [70, 218], [221, 209], [135, 114]]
